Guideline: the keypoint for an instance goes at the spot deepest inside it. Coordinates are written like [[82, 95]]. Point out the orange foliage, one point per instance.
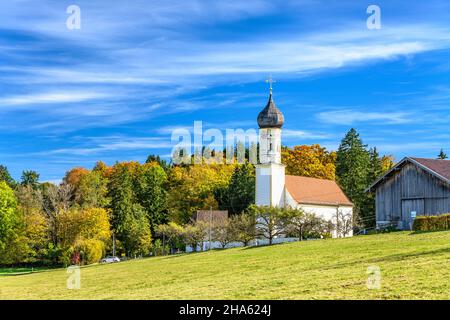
[[73, 176]]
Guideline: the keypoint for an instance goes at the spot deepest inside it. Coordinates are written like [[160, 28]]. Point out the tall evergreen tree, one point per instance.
[[151, 181], [352, 172], [376, 165], [240, 192], [5, 176]]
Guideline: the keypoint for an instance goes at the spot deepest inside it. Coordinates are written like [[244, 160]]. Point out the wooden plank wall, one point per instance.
[[409, 183]]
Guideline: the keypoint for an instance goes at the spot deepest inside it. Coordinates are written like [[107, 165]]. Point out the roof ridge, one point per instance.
[[322, 179]]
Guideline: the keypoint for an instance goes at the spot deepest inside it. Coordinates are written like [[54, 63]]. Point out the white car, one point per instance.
[[110, 259]]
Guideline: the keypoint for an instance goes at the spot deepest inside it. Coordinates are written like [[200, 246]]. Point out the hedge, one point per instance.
[[432, 223]]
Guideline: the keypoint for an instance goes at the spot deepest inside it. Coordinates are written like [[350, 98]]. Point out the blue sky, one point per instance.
[[136, 70]]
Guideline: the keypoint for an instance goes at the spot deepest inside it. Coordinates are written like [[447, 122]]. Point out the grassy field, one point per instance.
[[17, 271], [413, 266]]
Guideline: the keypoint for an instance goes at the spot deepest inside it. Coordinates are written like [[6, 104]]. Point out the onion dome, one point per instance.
[[270, 116]]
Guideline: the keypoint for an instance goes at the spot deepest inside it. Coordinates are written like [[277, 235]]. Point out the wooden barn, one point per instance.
[[414, 186]]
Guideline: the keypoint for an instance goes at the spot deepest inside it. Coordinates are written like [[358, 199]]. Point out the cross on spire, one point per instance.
[[270, 81]]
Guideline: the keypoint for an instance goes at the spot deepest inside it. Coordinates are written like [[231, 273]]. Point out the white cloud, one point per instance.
[[102, 145], [50, 98], [349, 117], [300, 134]]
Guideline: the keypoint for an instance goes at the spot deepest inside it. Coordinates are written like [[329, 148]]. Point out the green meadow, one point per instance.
[[412, 266]]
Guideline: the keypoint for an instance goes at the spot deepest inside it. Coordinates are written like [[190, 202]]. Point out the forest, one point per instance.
[[132, 209]]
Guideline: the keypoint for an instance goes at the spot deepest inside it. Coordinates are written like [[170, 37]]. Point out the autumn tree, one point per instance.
[[84, 233], [309, 161], [104, 170], [92, 190], [34, 222], [192, 188], [56, 199]]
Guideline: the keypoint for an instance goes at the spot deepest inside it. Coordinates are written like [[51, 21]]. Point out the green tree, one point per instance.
[[136, 236], [157, 159], [271, 222], [239, 194], [30, 177], [223, 232], [129, 218], [171, 235], [9, 221], [353, 165], [244, 227], [195, 234], [5, 176], [151, 181], [92, 191], [305, 224]]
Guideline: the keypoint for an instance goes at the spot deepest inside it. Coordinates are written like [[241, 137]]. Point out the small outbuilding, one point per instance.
[[414, 186]]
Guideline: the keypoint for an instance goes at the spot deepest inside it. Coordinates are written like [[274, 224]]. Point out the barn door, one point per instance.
[[417, 205]]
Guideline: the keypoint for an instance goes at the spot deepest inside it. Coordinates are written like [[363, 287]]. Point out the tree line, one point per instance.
[[132, 203]]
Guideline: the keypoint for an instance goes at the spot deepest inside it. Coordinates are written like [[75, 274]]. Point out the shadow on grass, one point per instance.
[[390, 258], [426, 232], [268, 245]]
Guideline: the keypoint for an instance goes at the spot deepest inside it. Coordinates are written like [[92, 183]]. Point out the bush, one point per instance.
[[432, 223], [88, 251]]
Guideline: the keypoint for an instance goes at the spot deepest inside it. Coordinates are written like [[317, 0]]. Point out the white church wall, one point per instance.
[[262, 186], [270, 180], [328, 213], [253, 243]]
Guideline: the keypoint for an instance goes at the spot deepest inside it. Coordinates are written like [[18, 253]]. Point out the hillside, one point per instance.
[[413, 266]]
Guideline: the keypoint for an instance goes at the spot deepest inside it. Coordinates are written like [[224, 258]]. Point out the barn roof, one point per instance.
[[436, 167], [307, 190]]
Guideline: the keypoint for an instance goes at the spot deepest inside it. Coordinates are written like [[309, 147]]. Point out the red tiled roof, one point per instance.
[[315, 191], [441, 167]]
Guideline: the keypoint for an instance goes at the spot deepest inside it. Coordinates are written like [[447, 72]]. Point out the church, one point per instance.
[[274, 188]]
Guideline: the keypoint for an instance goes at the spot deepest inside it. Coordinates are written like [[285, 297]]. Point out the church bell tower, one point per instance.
[[270, 172]]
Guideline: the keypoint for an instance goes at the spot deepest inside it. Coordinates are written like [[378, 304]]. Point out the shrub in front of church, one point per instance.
[[432, 223]]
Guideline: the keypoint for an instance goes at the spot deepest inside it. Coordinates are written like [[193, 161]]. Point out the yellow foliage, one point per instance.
[[309, 161], [192, 188], [92, 223], [91, 250]]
